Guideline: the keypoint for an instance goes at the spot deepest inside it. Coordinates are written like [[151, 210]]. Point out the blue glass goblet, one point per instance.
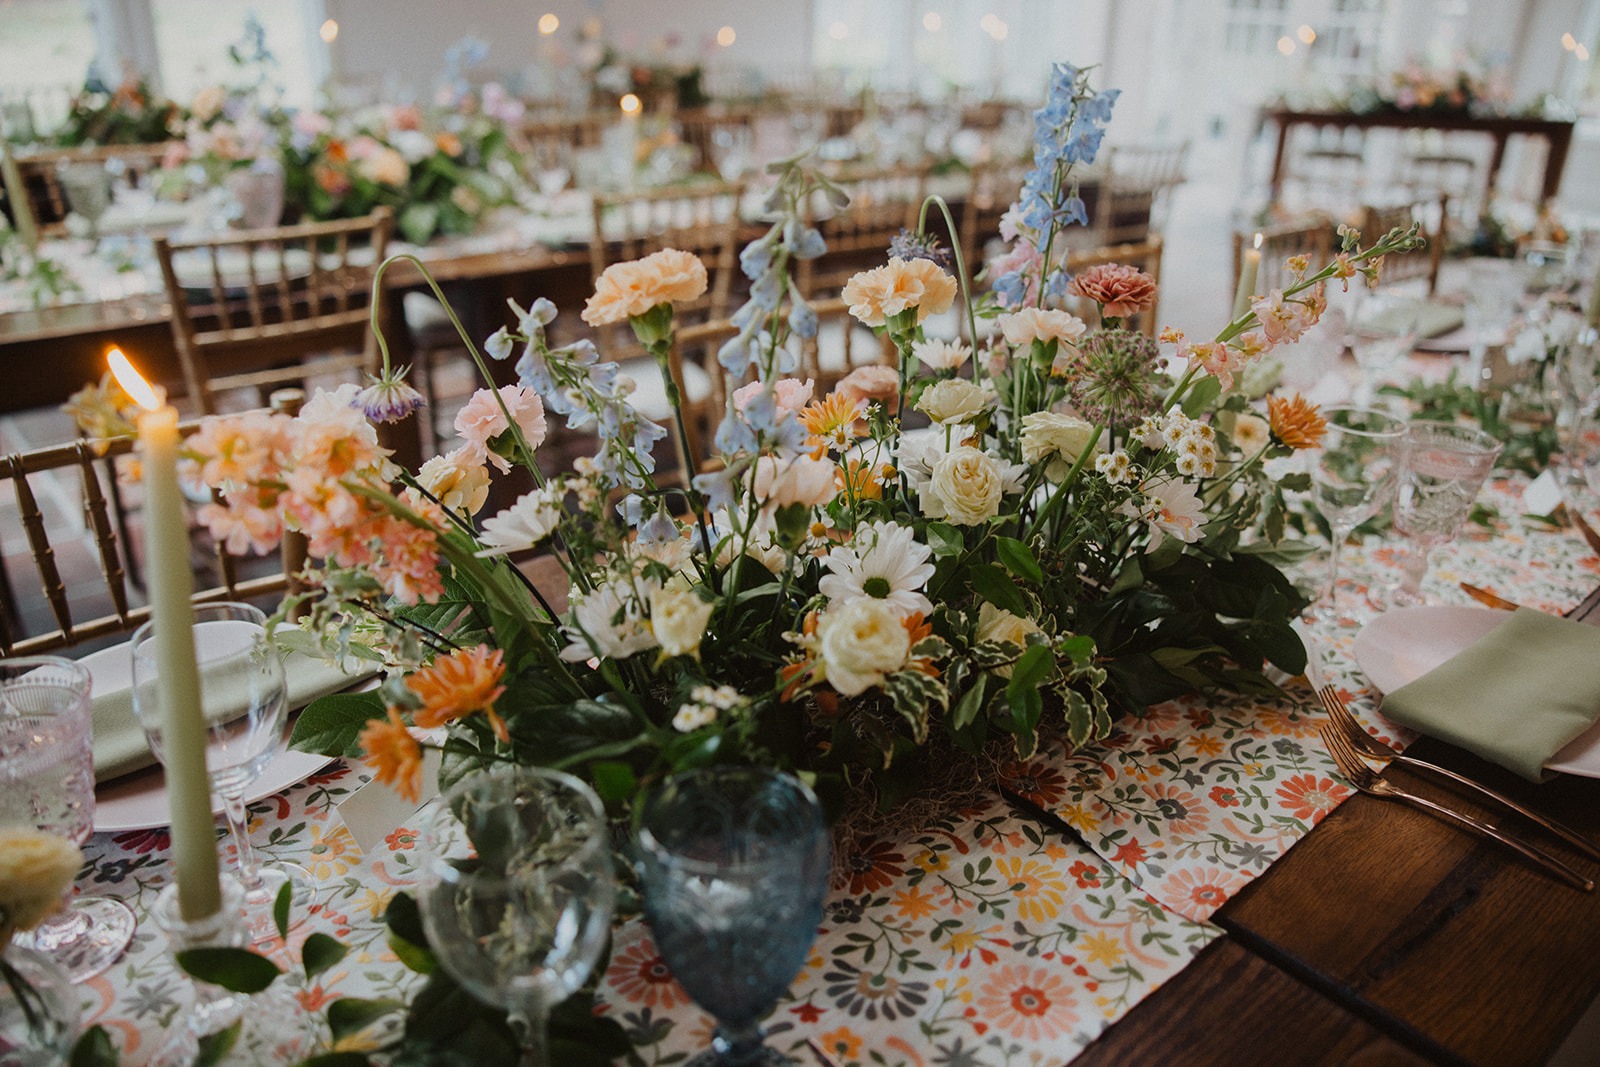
[[733, 864]]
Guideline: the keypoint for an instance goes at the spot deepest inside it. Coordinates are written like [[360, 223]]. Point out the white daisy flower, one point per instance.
[[885, 561], [522, 525], [609, 622]]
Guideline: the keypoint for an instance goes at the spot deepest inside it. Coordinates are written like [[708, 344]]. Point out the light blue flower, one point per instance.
[[734, 435], [498, 344], [718, 487]]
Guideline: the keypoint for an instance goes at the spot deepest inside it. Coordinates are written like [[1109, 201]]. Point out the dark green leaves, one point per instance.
[[1018, 559], [997, 587], [329, 726], [321, 952], [235, 969], [94, 1049]]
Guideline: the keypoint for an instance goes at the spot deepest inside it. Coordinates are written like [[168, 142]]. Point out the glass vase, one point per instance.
[[39, 1012]]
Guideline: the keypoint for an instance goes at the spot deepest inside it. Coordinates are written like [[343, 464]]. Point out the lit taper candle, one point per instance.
[[1248, 270], [183, 728]]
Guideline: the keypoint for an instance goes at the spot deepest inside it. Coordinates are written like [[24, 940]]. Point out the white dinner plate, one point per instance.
[[138, 801], [1401, 646], [194, 270]]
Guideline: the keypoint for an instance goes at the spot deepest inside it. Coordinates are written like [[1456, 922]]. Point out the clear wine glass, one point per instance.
[[733, 865], [47, 781], [1383, 333], [1353, 475], [516, 892], [88, 190], [1442, 467], [244, 700]]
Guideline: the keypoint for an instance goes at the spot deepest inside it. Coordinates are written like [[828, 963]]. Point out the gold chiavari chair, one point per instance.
[[61, 561], [883, 201], [1155, 170], [1432, 212], [701, 218], [248, 307], [1312, 237], [993, 187]]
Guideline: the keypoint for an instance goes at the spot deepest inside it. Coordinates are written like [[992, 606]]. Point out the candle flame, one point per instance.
[[132, 381], [630, 104], [1258, 240]]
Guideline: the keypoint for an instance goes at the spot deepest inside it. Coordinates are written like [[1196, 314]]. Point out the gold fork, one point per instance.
[[1366, 779], [1369, 746]]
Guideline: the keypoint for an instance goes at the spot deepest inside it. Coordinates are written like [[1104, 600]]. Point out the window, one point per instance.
[[1254, 26], [1348, 34], [45, 50], [193, 36]]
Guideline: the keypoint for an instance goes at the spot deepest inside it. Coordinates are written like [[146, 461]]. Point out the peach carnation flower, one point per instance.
[[626, 290], [1041, 324], [480, 419], [899, 285], [393, 754], [872, 382], [1119, 289]]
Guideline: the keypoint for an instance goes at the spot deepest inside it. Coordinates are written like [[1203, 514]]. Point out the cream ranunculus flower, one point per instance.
[[941, 355], [625, 290], [953, 400], [35, 870], [965, 488], [998, 624], [1250, 433], [886, 291], [861, 641], [802, 480], [1041, 324], [458, 479], [678, 617], [1045, 433]]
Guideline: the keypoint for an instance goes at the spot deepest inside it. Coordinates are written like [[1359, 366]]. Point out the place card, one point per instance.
[[375, 810], [1542, 496]]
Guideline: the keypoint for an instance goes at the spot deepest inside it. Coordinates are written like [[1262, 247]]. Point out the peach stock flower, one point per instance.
[[454, 686], [1119, 289], [899, 285], [1295, 421], [625, 290], [393, 754]]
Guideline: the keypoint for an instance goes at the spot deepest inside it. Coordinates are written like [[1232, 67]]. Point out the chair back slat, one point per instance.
[[883, 201], [1311, 237], [274, 297], [105, 538], [44, 557]]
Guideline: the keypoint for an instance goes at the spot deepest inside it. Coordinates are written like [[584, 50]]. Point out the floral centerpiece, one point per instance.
[[1068, 537], [1469, 85], [131, 113]]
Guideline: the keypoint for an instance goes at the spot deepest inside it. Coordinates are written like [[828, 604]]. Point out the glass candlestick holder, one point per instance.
[[265, 1027]]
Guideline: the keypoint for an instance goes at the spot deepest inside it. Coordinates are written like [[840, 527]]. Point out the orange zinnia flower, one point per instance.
[[831, 420], [394, 755], [454, 686], [1296, 422]]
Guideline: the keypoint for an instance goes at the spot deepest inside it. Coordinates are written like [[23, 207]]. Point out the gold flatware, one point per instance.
[[1372, 748], [1483, 596], [821, 1053], [1585, 529], [1367, 781]]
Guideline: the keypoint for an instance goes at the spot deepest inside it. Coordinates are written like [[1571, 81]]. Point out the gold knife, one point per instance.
[[1585, 529], [1483, 596]]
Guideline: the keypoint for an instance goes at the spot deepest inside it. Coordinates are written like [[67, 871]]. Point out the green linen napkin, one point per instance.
[[1515, 697], [1432, 319], [119, 743]]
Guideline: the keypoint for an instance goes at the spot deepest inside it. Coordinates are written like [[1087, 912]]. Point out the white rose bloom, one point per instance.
[[609, 622], [522, 525], [1251, 433], [998, 624], [953, 400], [457, 479], [1064, 437], [884, 561], [860, 642], [678, 618], [965, 487], [1036, 324], [941, 355]]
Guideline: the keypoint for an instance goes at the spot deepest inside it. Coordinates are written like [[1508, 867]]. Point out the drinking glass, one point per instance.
[[1442, 467], [47, 781], [1491, 303], [88, 190], [1383, 333], [733, 866], [516, 891], [244, 701], [1352, 477]]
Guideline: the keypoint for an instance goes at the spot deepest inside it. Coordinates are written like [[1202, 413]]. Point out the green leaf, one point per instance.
[[995, 586], [418, 221], [1018, 559], [1295, 482], [615, 782], [407, 939], [321, 952], [914, 694], [329, 725], [94, 1049], [235, 969], [214, 1048], [280, 910], [1200, 398], [944, 539], [351, 1015], [1030, 671], [970, 704]]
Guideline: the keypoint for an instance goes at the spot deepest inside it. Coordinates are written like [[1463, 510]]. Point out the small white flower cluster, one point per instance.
[[1116, 466], [1193, 443], [705, 704]]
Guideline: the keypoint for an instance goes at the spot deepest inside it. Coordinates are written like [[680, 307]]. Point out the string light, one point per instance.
[[329, 31], [1306, 34], [726, 36], [549, 23], [1286, 46]]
